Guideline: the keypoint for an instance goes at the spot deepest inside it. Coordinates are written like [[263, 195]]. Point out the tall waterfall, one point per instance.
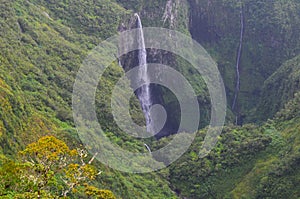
[[144, 92], [238, 60]]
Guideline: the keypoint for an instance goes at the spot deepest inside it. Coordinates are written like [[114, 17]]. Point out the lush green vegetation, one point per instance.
[[43, 44], [41, 51], [248, 162], [49, 169], [271, 37], [279, 88]]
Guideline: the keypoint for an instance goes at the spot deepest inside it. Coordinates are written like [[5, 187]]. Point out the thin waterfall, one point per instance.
[[148, 148], [143, 94], [238, 60]]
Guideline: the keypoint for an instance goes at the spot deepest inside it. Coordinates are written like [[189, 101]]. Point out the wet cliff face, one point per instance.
[[171, 14], [269, 39]]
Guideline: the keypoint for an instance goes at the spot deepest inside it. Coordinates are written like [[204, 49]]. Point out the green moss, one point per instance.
[[279, 88]]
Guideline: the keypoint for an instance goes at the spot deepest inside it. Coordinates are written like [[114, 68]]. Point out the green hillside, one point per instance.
[[279, 88], [41, 51], [42, 46]]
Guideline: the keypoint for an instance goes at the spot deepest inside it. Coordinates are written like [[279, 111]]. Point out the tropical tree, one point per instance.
[[50, 169]]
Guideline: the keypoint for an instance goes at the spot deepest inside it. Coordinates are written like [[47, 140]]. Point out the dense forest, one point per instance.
[[255, 46]]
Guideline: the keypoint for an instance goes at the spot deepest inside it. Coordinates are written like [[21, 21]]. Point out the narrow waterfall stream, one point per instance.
[[143, 93], [235, 107]]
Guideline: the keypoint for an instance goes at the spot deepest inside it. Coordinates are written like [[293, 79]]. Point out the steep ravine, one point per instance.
[[40, 56], [270, 37]]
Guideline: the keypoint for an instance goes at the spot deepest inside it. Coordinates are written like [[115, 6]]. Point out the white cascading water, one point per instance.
[[238, 60], [144, 92]]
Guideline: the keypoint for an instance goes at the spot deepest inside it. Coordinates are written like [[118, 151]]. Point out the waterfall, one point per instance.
[[148, 148], [238, 60], [143, 93]]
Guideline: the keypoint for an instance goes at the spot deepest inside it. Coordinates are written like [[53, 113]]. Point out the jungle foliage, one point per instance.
[[43, 43]]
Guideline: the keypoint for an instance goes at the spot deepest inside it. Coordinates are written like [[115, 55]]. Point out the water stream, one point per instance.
[[143, 93], [238, 60]]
